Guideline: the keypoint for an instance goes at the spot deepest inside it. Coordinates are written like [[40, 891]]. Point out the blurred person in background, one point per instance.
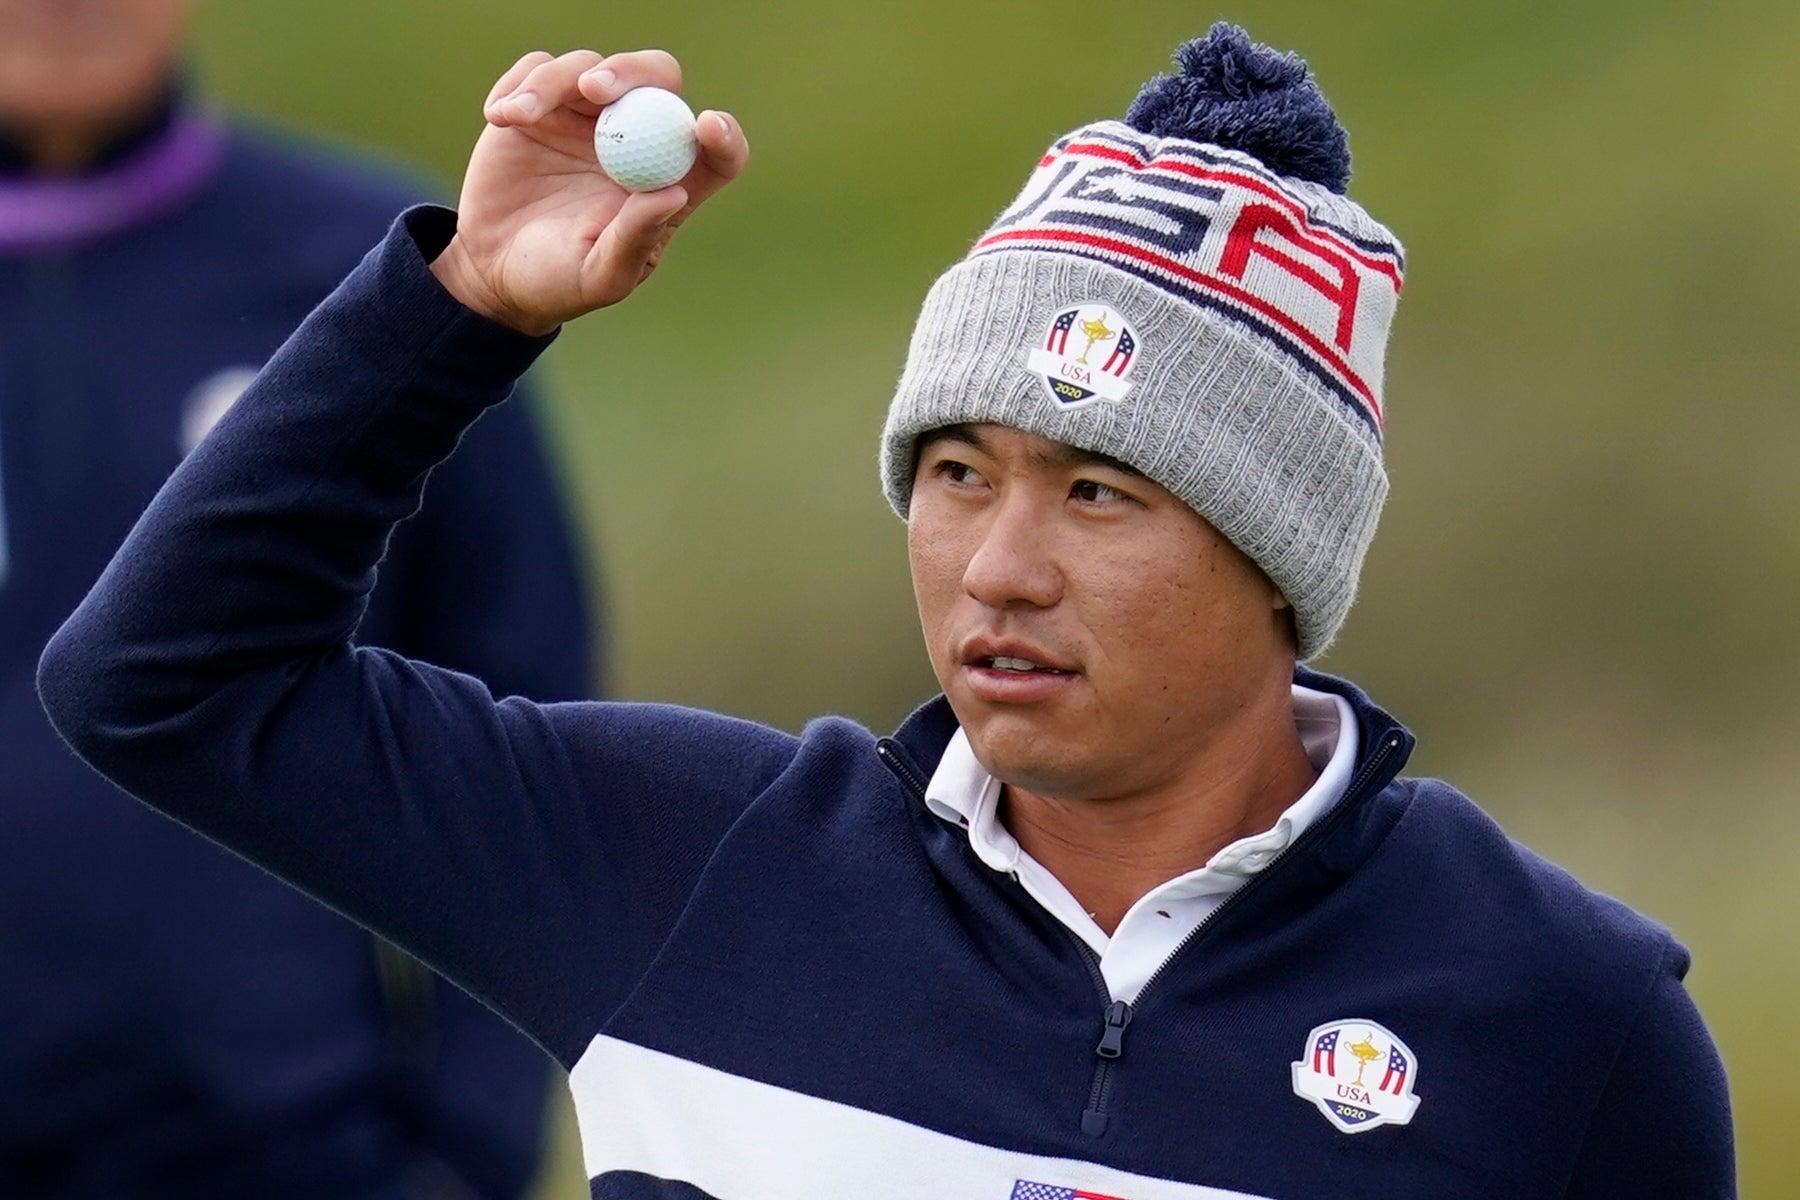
[[174, 1022]]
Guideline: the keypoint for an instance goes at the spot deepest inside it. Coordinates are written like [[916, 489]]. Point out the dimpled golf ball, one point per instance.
[[645, 139]]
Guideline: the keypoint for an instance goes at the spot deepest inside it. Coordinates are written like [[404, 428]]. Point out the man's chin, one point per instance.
[[1026, 752]]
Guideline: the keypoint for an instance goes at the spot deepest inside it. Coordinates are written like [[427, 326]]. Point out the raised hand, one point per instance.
[[542, 234]]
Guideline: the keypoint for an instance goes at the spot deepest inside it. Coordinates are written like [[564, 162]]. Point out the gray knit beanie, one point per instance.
[[1190, 292]]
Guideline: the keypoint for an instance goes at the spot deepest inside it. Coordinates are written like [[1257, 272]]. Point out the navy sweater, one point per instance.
[[176, 1023], [772, 971]]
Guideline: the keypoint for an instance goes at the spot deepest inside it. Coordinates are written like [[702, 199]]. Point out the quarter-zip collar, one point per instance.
[[1336, 843], [962, 793], [152, 172]]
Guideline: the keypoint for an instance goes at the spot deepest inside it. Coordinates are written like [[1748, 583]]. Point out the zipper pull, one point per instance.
[[1112, 1038]]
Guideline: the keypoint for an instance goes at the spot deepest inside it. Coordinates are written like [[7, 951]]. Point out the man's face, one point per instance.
[[84, 60], [1092, 632]]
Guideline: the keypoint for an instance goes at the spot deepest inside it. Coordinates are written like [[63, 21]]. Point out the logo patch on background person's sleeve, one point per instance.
[[1085, 355], [210, 400], [1358, 1074]]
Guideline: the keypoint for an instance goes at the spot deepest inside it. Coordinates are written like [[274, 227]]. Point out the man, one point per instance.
[[176, 1023], [1134, 910]]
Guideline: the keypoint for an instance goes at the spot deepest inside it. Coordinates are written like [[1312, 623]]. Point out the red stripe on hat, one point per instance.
[[1179, 166], [1188, 274]]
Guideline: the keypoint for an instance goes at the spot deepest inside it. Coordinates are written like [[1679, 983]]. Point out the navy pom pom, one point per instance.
[[1234, 93]]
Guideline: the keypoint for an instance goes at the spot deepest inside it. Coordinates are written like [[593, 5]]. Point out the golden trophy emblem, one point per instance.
[[1366, 1053], [1096, 331]]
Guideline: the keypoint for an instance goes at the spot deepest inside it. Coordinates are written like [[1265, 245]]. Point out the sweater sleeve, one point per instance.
[[532, 853], [487, 578], [1663, 1124]]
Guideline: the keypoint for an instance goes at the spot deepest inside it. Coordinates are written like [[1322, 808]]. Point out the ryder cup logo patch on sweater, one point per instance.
[[1358, 1074], [1085, 355]]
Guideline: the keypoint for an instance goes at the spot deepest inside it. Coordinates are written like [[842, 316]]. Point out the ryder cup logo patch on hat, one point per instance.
[[1358, 1074], [1085, 355]]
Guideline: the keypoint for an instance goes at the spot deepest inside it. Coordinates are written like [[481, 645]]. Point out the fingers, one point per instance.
[[723, 154], [543, 86], [540, 84], [515, 75], [617, 74], [628, 248]]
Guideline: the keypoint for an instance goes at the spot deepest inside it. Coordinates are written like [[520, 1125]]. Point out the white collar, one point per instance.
[[962, 792]]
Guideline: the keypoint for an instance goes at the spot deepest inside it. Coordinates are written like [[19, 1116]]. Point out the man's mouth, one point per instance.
[[1014, 671], [1019, 665]]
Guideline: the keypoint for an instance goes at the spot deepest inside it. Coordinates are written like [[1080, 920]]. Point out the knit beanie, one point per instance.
[[1188, 291]]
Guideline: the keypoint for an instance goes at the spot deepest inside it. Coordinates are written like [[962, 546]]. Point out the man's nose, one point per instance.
[[1015, 561]]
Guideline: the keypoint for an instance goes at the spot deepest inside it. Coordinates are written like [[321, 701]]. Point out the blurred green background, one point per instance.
[[1584, 595]]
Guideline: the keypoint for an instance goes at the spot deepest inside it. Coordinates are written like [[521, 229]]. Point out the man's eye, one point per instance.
[[957, 472], [1091, 491]]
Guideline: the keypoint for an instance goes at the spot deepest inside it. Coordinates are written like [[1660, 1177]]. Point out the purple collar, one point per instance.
[[38, 215]]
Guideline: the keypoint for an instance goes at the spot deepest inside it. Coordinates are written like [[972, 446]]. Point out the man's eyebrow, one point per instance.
[[954, 433], [1062, 457], [1066, 455]]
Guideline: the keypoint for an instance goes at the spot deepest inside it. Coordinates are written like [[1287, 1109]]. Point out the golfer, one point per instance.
[[1137, 908]]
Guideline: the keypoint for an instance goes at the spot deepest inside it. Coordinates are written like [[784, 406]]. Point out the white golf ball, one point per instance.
[[645, 139]]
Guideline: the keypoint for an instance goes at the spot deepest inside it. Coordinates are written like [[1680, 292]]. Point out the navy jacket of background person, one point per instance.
[[174, 1022]]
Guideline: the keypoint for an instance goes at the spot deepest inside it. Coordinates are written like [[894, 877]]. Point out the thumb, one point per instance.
[[627, 249]]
